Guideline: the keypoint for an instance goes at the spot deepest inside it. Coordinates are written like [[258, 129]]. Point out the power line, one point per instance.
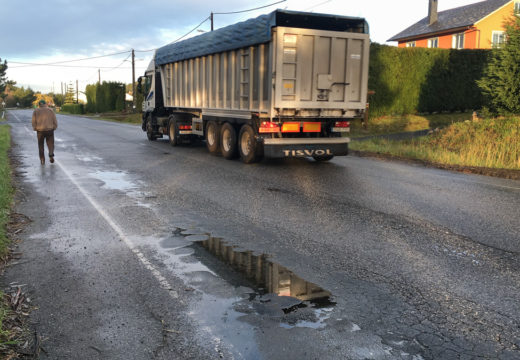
[[315, 6], [182, 37], [192, 30], [65, 66], [122, 62], [69, 61], [243, 11]]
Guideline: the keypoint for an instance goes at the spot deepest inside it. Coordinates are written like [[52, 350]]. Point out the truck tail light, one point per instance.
[[342, 124], [291, 127], [184, 127], [267, 127], [311, 127]]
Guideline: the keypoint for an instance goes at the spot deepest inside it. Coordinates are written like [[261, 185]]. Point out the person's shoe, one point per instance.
[[51, 158], [42, 161]]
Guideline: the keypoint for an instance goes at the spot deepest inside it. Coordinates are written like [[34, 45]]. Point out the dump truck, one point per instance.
[[282, 85]]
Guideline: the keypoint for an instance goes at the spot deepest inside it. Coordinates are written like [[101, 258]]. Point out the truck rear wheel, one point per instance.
[[247, 145], [228, 141], [213, 137]]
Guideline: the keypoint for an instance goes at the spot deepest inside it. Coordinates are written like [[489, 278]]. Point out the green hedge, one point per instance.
[[411, 80], [105, 97], [73, 108]]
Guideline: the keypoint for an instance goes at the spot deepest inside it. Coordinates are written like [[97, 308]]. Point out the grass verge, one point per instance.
[[490, 143], [120, 117], [404, 123], [6, 190], [7, 337]]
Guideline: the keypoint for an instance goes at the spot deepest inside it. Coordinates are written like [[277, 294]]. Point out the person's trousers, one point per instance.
[[48, 136]]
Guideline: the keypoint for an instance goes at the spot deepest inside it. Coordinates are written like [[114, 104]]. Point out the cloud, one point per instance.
[[48, 28]]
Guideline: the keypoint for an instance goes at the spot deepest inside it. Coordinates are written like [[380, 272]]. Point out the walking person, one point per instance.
[[44, 123]]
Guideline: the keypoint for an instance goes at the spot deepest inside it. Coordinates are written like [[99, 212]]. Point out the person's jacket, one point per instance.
[[43, 119]]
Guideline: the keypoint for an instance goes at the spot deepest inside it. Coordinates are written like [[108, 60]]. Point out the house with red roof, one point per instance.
[[475, 26]]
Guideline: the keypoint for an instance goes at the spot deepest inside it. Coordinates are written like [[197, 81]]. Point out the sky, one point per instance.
[[51, 31]]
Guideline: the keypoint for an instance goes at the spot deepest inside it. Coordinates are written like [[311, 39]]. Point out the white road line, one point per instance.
[[16, 117], [147, 264]]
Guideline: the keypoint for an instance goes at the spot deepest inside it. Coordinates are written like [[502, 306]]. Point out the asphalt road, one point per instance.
[[419, 263]]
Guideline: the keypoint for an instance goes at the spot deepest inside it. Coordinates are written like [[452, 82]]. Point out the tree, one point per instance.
[[90, 92], [501, 82], [57, 99], [3, 77], [24, 97], [48, 98], [69, 95]]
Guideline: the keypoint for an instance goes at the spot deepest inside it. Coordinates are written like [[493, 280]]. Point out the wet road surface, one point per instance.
[[139, 250]]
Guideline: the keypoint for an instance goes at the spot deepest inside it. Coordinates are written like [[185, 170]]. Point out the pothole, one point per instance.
[[274, 293]]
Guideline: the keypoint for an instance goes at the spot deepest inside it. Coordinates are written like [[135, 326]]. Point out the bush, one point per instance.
[[73, 108], [411, 80]]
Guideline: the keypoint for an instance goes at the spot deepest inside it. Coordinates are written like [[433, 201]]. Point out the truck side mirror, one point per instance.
[[139, 86]]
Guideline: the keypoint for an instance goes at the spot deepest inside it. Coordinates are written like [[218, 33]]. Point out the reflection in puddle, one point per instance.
[[267, 275], [89, 158], [114, 180], [280, 295]]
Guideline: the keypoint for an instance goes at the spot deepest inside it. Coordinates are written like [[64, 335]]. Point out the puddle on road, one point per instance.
[[114, 180], [86, 158], [269, 277], [274, 293], [119, 180]]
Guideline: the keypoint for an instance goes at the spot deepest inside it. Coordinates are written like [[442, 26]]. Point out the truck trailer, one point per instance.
[[285, 84]]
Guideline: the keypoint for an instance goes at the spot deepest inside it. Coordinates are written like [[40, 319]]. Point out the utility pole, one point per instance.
[[99, 76], [77, 93], [211, 17], [133, 80]]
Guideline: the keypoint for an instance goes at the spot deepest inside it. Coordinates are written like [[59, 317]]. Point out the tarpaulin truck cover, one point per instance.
[[254, 31]]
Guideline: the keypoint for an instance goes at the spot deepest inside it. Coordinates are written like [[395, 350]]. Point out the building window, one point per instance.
[[457, 41], [517, 7], [499, 38], [433, 43], [410, 44]]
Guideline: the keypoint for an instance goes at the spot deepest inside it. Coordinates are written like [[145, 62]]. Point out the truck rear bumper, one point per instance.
[[306, 147]]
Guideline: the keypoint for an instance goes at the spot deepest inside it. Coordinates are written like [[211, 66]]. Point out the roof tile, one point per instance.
[[452, 19]]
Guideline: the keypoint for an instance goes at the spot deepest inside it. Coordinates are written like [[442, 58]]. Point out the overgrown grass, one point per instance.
[[126, 118], [395, 124], [491, 143], [120, 117], [6, 336], [6, 189]]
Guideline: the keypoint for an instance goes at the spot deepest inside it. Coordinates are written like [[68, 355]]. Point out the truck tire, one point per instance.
[[173, 131], [228, 141], [247, 145], [149, 129], [213, 137], [323, 158]]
